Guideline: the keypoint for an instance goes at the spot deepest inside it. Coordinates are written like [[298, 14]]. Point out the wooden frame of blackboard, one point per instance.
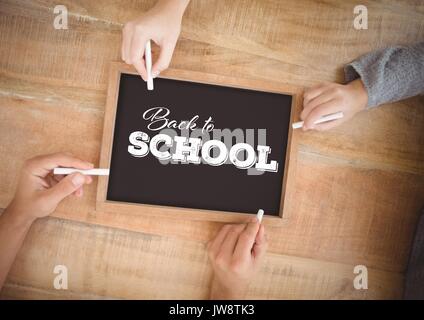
[[105, 205]]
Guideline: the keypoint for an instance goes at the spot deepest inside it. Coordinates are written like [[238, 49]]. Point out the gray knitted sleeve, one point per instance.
[[390, 74]]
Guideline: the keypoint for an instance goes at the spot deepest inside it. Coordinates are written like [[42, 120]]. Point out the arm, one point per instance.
[[236, 254], [378, 77], [391, 74], [37, 195], [13, 229], [162, 24]]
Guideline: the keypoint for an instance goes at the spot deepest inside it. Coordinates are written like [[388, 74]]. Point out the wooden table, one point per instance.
[[358, 188]]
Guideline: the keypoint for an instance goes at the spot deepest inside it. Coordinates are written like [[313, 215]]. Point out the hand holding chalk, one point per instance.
[[327, 105], [236, 253], [161, 24], [38, 193]]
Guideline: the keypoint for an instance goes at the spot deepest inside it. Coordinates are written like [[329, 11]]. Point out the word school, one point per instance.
[[187, 151]]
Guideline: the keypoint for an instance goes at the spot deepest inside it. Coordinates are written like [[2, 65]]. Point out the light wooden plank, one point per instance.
[[298, 33], [312, 39], [34, 50], [351, 214], [106, 262]]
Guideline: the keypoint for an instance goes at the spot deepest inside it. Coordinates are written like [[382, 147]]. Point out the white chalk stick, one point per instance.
[[260, 215], [89, 172], [328, 117], [148, 57]]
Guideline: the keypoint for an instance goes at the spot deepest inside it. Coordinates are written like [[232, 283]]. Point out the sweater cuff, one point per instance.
[[354, 71]]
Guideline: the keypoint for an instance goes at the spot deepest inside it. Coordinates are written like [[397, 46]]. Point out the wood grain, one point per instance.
[[358, 188], [111, 263]]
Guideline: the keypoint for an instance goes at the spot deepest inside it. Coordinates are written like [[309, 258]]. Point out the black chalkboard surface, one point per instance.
[[146, 180]]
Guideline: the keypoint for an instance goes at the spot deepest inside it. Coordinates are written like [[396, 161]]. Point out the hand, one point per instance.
[[327, 98], [236, 254], [37, 195], [162, 24], [39, 191]]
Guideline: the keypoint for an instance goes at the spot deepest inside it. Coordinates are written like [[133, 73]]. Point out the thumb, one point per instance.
[[261, 244], [164, 59], [65, 187]]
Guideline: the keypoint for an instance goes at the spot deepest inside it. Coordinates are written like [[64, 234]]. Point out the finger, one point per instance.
[[164, 58], [260, 236], [65, 187], [261, 244], [42, 165], [216, 243], [45, 184], [138, 45], [52, 180], [246, 240], [322, 110], [79, 192], [127, 33], [58, 177], [325, 96], [313, 92], [229, 244], [140, 66]]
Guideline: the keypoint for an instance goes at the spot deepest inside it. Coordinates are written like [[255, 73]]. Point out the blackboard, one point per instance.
[[146, 180]]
